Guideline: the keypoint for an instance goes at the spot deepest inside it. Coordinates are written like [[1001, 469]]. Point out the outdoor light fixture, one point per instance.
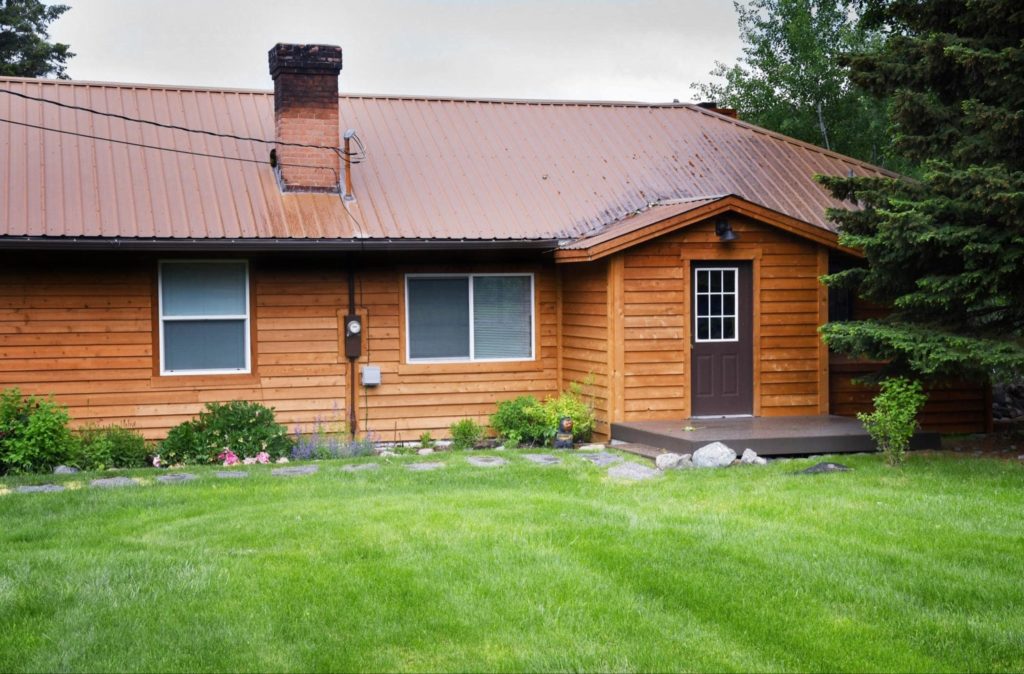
[[723, 230]]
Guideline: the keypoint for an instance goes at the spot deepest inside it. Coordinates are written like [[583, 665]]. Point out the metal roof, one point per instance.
[[436, 168]]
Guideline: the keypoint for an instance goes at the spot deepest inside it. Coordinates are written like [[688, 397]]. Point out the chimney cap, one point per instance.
[[319, 59]]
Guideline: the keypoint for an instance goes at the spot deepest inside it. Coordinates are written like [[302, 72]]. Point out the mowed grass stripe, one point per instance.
[[522, 568]]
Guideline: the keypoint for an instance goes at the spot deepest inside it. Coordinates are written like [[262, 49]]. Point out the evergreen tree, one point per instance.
[[945, 252], [25, 47], [789, 78]]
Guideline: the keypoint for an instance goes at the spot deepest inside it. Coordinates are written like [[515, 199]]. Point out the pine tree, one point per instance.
[[25, 47], [946, 252]]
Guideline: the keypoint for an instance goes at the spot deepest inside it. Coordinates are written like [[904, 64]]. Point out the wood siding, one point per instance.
[[585, 334], [84, 332], [788, 303]]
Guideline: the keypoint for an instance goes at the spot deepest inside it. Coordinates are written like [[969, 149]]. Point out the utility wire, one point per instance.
[[361, 154]]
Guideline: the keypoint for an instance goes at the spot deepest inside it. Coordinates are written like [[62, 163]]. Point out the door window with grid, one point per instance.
[[716, 297]]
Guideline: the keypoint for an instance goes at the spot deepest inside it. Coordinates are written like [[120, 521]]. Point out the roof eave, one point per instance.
[[268, 245]]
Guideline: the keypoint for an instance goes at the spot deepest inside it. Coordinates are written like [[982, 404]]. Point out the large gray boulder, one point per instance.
[[714, 455], [751, 457]]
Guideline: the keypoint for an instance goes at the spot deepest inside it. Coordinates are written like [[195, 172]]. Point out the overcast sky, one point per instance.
[[649, 50]]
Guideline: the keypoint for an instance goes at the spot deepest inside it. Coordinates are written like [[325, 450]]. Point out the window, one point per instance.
[[204, 317], [469, 317], [716, 313]]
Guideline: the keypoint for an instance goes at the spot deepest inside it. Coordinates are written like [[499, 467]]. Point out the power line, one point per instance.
[[175, 127], [157, 147]]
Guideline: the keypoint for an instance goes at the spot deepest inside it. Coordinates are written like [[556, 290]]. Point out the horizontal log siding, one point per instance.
[[414, 398], [84, 333], [585, 334], [657, 322]]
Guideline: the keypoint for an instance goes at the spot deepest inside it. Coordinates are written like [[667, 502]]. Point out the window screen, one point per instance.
[[473, 317], [204, 317]]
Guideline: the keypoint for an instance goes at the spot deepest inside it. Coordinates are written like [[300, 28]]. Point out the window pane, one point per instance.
[[729, 281], [728, 328], [702, 280], [716, 281], [702, 305], [203, 288], [729, 305], [716, 328], [501, 317], [438, 317], [716, 305], [702, 328], [204, 345]]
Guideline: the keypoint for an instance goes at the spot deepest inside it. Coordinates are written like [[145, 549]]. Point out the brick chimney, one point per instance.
[[306, 111]]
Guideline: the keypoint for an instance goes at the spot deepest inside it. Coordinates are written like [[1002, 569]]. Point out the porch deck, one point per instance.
[[767, 436]]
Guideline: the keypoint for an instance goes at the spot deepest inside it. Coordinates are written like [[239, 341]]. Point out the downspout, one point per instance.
[[352, 417]]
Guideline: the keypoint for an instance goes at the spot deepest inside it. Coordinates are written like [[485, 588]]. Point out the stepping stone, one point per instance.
[[593, 448], [296, 470], [109, 482], [542, 459], [360, 467], [64, 470], [632, 471], [601, 458], [419, 467], [486, 461], [231, 474], [38, 488], [176, 477], [825, 468]]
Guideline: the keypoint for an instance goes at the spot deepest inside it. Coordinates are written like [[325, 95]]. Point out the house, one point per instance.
[[163, 247]]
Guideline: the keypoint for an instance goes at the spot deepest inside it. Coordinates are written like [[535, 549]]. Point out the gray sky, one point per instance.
[[647, 50]]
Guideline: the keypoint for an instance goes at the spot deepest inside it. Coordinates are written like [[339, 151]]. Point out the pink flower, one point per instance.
[[156, 461], [262, 457], [228, 457]]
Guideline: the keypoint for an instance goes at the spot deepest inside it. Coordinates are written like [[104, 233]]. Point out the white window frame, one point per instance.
[[736, 305], [219, 317], [472, 321]]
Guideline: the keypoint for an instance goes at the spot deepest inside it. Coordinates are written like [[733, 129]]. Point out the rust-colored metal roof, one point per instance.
[[440, 169]]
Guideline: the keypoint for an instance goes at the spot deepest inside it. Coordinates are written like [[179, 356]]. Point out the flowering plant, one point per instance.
[[263, 457], [157, 462], [228, 457]]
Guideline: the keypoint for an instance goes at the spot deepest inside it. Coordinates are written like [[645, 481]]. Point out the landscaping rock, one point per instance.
[[601, 458], [486, 461], [542, 459], [386, 454], [425, 451], [714, 455], [108, 482], [685, 461], [297, 470], [176, 477], [632, 471], [825, 467], [38, 488], [751, 457], [419, 467], [231, 474], [64, 470], [442, 444], [360, 467], [667, 460], [593, 448]]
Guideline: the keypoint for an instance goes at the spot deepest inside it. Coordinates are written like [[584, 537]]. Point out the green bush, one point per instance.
[[100, 447], [571, 404], [34, 435], [894, 420], [521, 420], [525, 420], [245, 428], [466, 433]]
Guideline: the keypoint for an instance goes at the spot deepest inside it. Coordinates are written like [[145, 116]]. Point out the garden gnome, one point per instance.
[[563, 437]]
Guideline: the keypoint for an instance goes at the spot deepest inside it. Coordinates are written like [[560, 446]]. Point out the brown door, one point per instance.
[[722, 369]]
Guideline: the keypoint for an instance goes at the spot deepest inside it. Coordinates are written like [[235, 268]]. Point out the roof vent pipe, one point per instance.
[[347, 153]]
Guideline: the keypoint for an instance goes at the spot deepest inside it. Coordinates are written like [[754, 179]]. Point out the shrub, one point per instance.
[[100, 447], [894, 420], [521, 420], [426, 440], [571, 404], [34, 435], [245, 428], [466, 433]]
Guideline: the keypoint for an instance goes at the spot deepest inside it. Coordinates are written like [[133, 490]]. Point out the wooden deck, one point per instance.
[[768, 436]]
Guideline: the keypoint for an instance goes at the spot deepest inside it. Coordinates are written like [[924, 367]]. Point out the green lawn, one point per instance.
[[523, 568]]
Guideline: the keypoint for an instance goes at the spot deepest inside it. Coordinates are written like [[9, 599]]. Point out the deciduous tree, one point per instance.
[[25, 47]]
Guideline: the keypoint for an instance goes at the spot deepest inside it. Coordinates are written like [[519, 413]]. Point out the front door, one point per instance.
[[722, 354]]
